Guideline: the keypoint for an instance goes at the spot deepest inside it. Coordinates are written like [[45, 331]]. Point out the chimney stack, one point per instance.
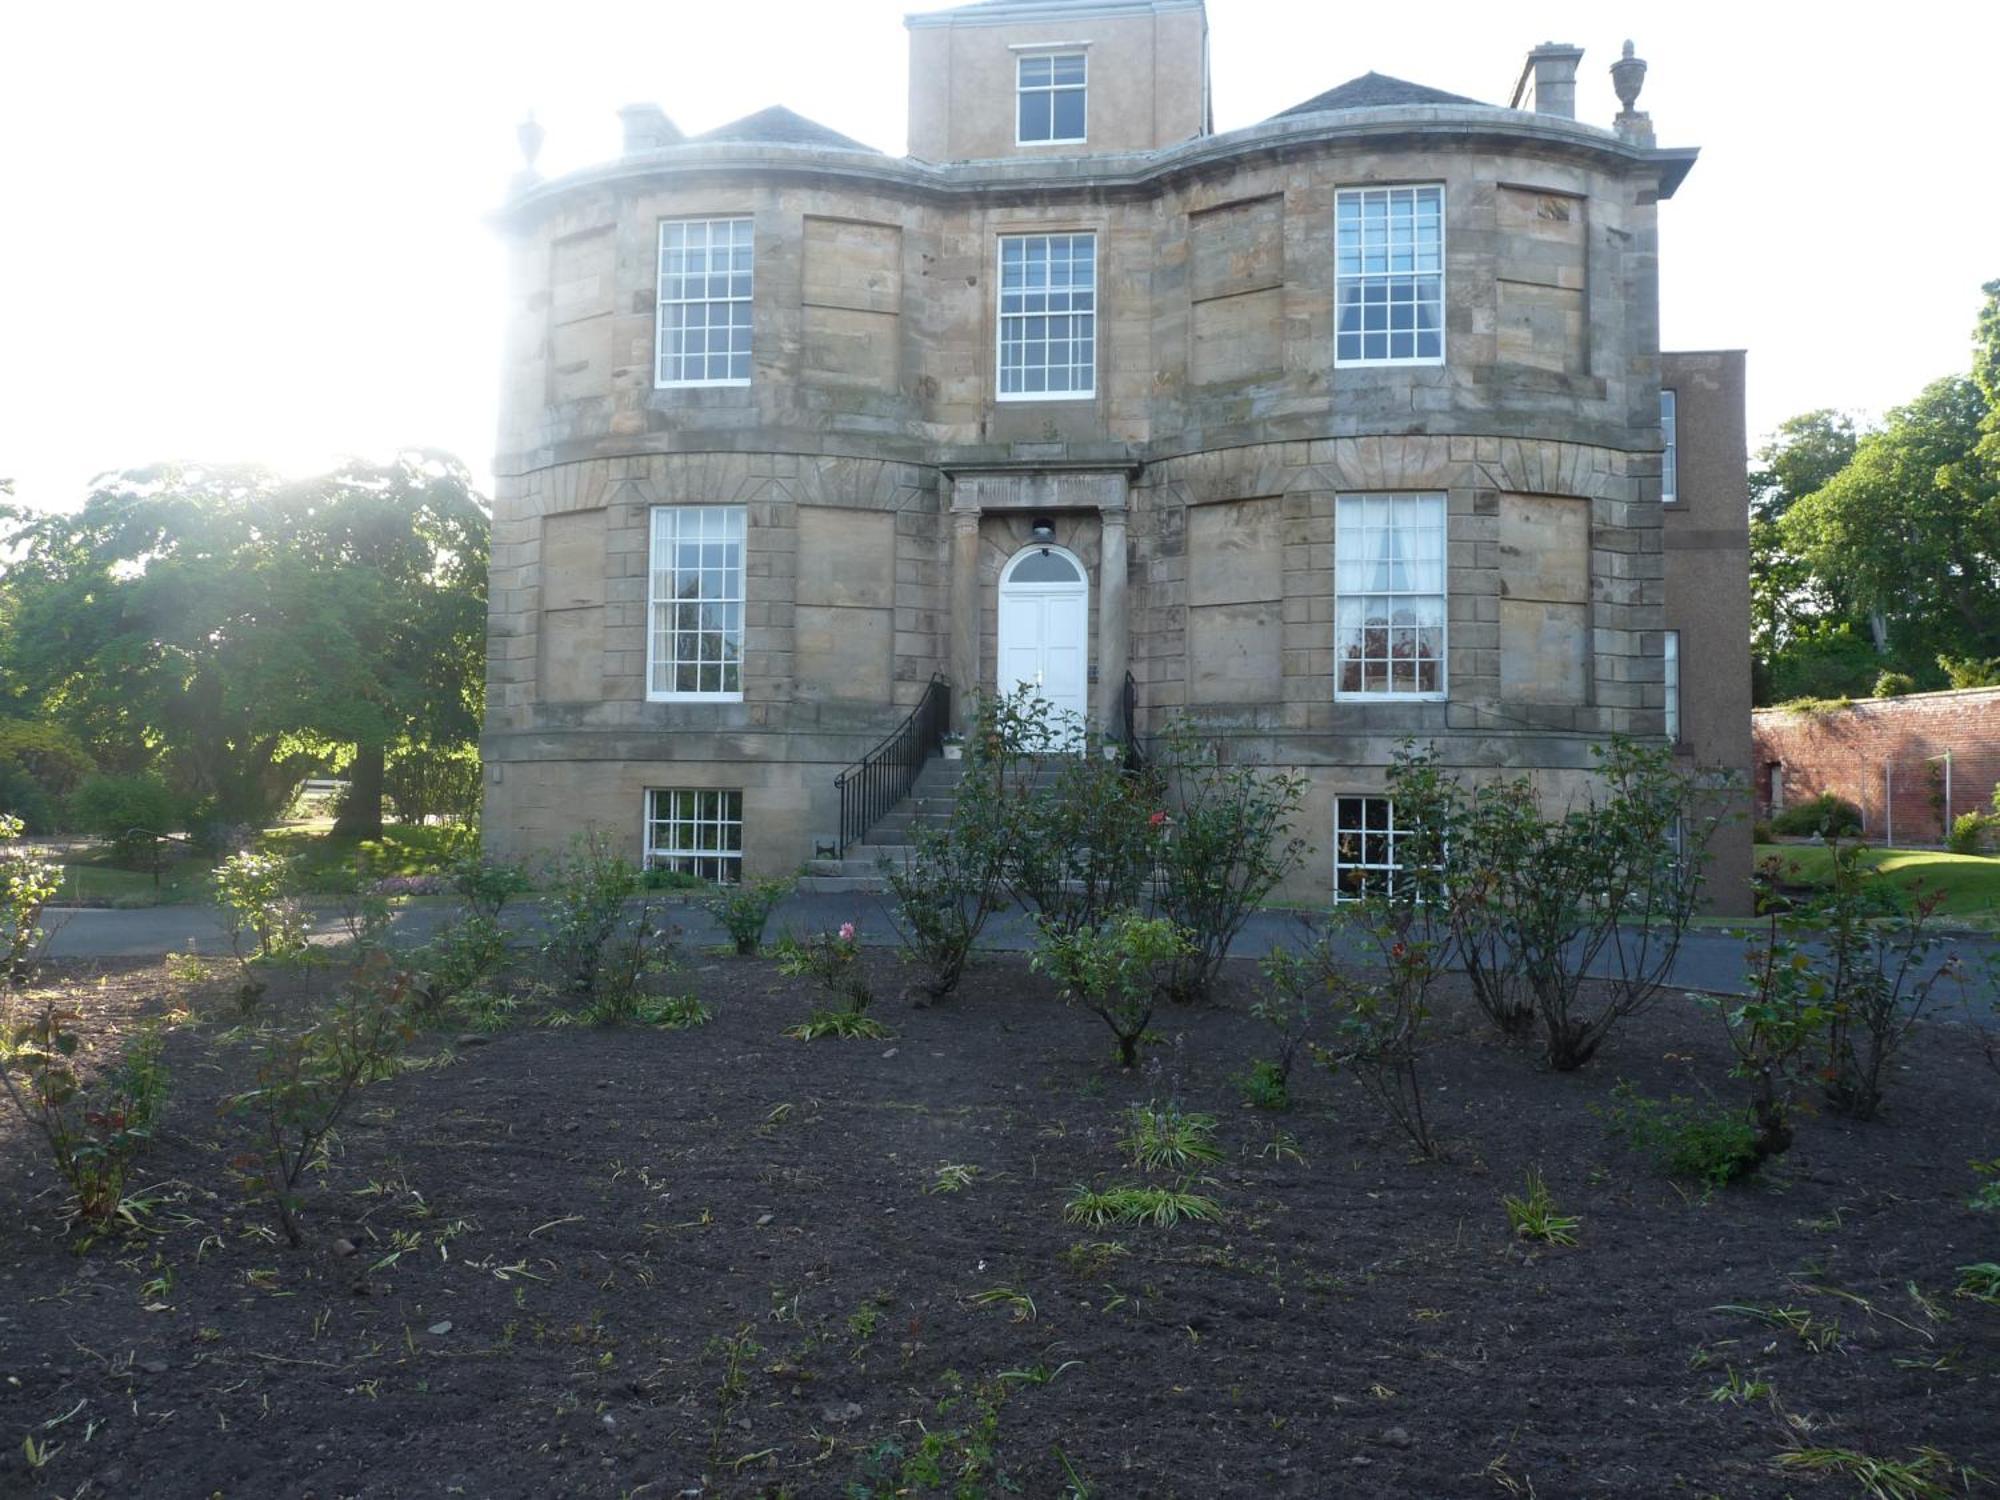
[[647, 128], [1548, 80]]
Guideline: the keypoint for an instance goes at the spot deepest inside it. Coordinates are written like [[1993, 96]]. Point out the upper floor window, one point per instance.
[[1049, 89], [1669, 460], [695, 637], [1389, 276], [1389, 590], [704, 332], [1048, 316]]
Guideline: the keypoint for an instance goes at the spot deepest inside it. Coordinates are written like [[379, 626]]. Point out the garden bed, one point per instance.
[[629, 1261]]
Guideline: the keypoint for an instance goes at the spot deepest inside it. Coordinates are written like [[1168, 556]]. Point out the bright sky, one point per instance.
[[256, 231]]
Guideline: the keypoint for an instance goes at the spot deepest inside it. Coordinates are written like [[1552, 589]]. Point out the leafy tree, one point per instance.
[[237, 629], [1906, 537], [1804, 453]]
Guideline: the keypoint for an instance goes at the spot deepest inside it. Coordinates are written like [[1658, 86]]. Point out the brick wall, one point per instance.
[[1885, 755]]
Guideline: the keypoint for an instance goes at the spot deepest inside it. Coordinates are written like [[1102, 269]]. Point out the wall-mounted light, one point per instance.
[[1044, 533]]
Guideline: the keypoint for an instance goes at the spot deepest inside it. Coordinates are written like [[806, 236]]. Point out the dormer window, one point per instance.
[[1049, 89]]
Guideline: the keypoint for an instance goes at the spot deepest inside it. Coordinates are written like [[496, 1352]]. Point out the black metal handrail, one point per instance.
[[1128, 713], [883, 777]]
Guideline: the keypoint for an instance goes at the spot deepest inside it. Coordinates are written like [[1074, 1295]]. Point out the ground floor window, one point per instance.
[[1365, 852], [697, 833]]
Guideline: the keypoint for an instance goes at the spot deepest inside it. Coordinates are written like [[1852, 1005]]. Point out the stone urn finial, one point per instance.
[[530, 135], [1628, 76]]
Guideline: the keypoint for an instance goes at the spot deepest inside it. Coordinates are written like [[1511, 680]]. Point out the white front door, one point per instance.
[[1045, 631]]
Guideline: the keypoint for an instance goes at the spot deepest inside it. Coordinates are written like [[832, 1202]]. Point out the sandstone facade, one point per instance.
[[885, 485]]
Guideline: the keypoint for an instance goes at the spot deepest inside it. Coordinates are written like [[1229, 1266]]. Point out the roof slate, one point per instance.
[[1371, 90], [784, 127]]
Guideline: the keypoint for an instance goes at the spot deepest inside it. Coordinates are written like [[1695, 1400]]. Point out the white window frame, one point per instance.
[[1003, 319], [724, 816], [729, 299], [1344, 530], [1054, 52], [1356, 249], [1670, 653], [663, 525], [1670, 453], [1393, 833]]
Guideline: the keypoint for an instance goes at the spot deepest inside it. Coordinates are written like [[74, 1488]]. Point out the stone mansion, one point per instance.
[[1333, 431]]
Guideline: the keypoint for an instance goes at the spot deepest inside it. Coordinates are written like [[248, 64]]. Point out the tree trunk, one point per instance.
[[361, 813]]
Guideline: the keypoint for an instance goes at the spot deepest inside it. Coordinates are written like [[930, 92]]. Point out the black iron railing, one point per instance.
[[1128, 726], [883, 777]]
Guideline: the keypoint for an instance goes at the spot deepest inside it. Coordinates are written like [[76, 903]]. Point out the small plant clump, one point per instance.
[[1168, 1138], [260, 914], [744, 911], [1286, 1006], [588, 887], [1533, 1214], [1980, 1282], [1684, 1137], [833, 959], [1155, 1207], [1927, 1474], [672, 1012]]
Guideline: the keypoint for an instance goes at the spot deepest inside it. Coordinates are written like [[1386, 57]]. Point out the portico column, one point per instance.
[[964, 663], [1112, 633]]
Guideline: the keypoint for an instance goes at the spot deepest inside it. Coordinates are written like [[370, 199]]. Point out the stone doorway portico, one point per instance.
[[992, 511]]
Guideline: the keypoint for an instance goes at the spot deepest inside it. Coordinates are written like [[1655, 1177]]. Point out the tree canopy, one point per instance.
[[1880, 552], [234, 628]]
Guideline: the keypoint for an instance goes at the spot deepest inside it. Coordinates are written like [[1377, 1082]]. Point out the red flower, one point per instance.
[[1157, 819]]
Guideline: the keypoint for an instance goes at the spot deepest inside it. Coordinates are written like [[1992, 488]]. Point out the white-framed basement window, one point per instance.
[[704, 320], [1389, 276], [1366, 852], [1670, 647], [1670, 462], [695, 832], [1048, 317], [1051, 92], [694, 638], [1389, 596]]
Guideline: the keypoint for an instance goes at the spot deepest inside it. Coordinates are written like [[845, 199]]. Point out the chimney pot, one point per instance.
[[647, 128], [1548, 80]]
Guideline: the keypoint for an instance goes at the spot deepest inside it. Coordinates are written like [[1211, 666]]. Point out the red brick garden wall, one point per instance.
[[1884, 755]]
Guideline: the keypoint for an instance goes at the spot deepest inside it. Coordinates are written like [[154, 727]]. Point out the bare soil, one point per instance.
[[529, 1263]]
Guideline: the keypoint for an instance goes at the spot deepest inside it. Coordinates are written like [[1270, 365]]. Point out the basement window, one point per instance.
[[1365, 854], [695, 832]]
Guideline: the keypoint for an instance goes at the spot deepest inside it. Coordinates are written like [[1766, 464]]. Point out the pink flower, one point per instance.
[[847, 932], [1157, 819]]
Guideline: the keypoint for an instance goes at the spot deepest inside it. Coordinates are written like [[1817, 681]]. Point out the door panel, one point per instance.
[[1044, 641]]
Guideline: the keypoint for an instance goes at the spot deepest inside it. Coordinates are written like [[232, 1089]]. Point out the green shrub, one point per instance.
[[1761, 832], [1825, 815], [305, 1081], [1117, 970], [745, 909], [833, 961], [1685, 1137], [28, 883], [662, 878], [93, 1132], [1227, 845], [1974, 833], [1894, 684], [117, 808], [430, 781], [588, 888]]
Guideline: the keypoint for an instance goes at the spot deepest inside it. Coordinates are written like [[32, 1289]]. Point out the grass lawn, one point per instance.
[[1970, 882], [580, 1260], [93, 875]]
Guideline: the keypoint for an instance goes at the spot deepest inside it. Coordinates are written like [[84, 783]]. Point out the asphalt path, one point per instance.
[[1709, 959]]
